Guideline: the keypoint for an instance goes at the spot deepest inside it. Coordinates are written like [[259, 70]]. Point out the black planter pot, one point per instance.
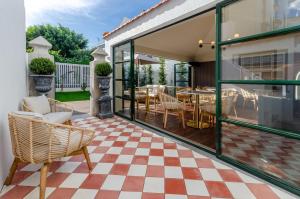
[[104, 100], [42, 83]]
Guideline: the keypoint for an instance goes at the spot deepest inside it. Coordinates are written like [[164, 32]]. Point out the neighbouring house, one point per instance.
[[241, 74], [13, 73]]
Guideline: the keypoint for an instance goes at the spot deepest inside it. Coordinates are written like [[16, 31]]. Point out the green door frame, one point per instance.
[[219, 82], [131, 80]]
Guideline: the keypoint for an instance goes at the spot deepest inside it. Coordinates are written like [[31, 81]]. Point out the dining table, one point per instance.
[[197, 93]]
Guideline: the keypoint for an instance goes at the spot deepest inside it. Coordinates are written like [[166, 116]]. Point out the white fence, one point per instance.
[[72, 76]]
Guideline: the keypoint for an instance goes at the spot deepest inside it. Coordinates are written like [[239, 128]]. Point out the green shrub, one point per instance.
[[103, 69], [42, 66]]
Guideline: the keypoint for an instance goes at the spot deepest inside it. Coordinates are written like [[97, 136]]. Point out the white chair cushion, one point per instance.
[[32, 115], [38, 104], [58, 117]]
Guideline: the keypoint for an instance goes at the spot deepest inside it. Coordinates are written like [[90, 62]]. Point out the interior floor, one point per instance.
[[204, 137]]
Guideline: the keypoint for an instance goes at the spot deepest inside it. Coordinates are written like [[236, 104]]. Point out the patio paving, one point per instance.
[[132, 163], [80, 106]]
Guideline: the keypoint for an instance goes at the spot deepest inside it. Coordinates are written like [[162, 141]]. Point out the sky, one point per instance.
[[88, 17]]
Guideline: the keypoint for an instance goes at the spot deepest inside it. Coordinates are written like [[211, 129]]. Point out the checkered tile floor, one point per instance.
[[133, 163], [274, 154]]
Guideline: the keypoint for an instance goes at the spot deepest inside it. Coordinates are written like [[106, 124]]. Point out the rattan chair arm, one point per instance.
[[25, 108], [65, 107], [55, 125]]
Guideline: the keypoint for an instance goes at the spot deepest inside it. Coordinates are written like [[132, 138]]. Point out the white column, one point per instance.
[[41, 48], [99, 56]]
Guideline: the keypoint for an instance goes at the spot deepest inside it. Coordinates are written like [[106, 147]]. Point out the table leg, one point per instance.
[[148, 101], [197, 111]]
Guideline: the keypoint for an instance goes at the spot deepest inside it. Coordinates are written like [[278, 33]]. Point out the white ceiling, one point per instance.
[[180, 41]]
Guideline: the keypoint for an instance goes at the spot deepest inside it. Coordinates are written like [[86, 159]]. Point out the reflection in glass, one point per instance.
[[274, 106], [122, 53], [275, 58], [273, 154], [269, 15], [122, 107]]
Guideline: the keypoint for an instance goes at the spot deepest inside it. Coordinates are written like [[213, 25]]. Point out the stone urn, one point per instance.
[[104, 100], [42, 83]]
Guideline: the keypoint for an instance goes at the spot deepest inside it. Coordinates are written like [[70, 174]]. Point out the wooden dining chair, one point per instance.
[[153, 94], [249, 97], [209, 109], [171, 104]]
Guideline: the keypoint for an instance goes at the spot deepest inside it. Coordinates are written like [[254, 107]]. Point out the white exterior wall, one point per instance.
[[166, 14], [13, 72]]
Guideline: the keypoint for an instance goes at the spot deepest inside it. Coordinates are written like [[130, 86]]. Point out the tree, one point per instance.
[[143, 76], [65, 41], [77, 57], [149, 74], [162, 72]]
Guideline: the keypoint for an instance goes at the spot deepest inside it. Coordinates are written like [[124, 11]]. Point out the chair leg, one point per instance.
[[43, 180], [201, 120], [166, 119], [244, 103], [87, 157], [235, 113], [12, 172], [182, 118]]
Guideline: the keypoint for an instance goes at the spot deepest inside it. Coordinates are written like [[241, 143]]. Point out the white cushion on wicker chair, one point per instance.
[[38, 104], [32, 115], [58, 117]]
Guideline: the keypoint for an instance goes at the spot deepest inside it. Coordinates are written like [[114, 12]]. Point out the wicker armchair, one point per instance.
[[58, 112], [171, 104], [36, 141]]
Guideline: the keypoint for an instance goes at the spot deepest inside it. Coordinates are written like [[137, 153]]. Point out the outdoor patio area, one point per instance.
[[131, 162]]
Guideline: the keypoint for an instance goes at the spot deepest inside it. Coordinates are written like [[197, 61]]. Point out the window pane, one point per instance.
[[274, 106], [276, 155], [240, 20], [122, 53], [122, 70], [275, 58], [122, 106], [119, 88]]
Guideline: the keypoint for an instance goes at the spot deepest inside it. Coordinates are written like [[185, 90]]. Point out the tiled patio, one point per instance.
[[133, 163]]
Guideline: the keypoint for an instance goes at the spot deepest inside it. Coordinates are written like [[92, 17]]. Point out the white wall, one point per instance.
[[169, 13], [12, 74]]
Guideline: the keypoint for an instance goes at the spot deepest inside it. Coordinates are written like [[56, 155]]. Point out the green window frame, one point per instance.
[[219, 82]]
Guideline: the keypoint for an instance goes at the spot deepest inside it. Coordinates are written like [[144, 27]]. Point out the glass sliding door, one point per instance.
[[258, 62], [123, 79]]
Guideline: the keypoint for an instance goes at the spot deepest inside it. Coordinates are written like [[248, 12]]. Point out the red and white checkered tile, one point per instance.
[[133, 163], [274, 154]]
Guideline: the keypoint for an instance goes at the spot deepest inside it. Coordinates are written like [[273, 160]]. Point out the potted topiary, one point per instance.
[[103, 70], [42, 69]]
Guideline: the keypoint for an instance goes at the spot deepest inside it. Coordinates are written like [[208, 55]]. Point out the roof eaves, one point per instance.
[[136, 17]]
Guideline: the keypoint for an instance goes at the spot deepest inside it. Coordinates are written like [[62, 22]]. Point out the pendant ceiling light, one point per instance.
[[201, 44]]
